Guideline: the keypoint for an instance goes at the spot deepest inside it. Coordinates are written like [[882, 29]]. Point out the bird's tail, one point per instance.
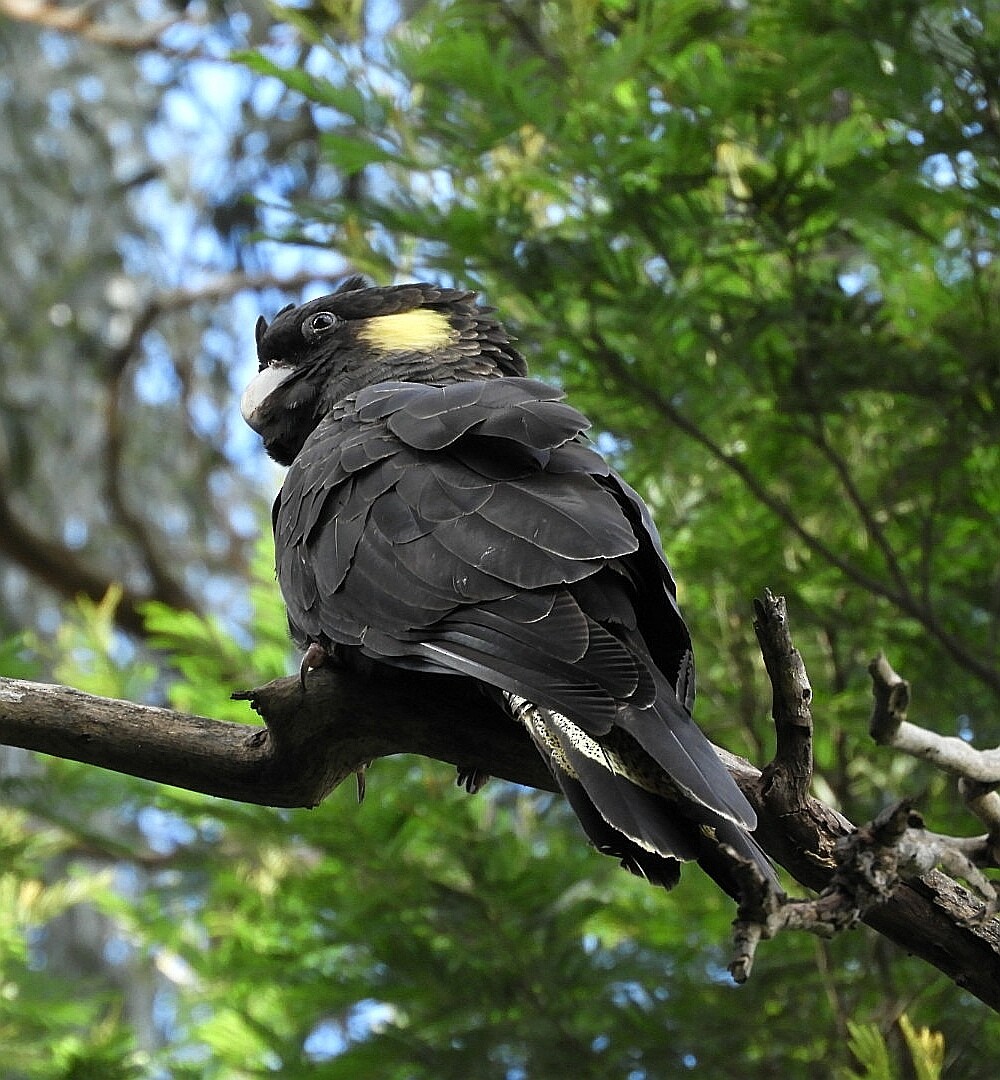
[[634, 808]]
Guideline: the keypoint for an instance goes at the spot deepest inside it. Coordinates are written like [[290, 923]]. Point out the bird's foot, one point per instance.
[[472, 779], [315, 656]]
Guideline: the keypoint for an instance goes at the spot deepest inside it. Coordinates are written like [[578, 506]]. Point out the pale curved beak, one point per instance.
[[259, 389]]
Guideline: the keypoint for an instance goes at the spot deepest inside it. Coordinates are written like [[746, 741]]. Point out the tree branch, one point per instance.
[[978, 773], [889, 727], [310, 743], [816, 433], [312, 740], [59, 567], [167, 586], [219, 287], [83, 20]]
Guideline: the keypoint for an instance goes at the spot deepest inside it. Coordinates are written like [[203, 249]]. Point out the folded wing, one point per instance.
[[470, 529]]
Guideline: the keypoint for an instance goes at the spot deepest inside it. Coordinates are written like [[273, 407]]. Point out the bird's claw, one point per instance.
[[472, 779], [315, 656], [361, 777]]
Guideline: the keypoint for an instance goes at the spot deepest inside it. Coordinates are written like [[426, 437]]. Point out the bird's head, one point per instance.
[[312, 356]]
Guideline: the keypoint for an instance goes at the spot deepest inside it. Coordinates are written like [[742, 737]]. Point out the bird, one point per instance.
[[444, 512]]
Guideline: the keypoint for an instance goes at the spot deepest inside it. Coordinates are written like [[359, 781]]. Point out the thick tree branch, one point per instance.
[[313, 740]]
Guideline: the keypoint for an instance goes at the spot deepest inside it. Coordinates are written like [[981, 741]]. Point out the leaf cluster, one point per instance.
[[756, 243]]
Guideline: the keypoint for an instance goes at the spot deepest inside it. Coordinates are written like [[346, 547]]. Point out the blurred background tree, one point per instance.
[[756, 242]]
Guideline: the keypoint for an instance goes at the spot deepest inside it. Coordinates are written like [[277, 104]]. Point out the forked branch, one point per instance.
[[312, 740]]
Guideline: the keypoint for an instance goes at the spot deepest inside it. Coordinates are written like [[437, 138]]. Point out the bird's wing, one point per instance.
[[469, 529], [462, 494]]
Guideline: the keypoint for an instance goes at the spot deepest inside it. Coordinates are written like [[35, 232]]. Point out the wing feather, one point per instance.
[[467, 528], [568, 516]]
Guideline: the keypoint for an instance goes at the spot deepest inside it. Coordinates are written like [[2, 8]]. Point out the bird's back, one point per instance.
[[469, 529]]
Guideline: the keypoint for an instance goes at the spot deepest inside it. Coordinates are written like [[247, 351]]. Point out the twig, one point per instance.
[[220, 287], [817, 435], [978, 773], [167, 587], [889, 727]]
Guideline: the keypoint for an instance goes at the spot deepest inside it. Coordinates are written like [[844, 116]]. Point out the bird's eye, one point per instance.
[[319, 323]]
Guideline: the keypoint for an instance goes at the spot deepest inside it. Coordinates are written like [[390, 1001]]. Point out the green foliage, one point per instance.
[[425, 933], [757, 244], [666, 203], [869, 1047], [47, 1034]]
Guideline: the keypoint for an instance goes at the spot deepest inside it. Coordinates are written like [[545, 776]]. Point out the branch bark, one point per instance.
[[312, 740], [310, 743], [889, 727], [978, 773]]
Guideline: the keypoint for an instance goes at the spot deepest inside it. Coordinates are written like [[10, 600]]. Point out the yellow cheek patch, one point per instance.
[[417, 330]]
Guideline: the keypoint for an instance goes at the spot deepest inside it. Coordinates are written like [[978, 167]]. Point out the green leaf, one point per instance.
[[351, 154]]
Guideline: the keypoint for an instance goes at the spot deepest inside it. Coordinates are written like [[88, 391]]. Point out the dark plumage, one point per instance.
[[442, 511]]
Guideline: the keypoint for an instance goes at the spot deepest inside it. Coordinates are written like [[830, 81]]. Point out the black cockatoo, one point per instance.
[[444, 512]]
